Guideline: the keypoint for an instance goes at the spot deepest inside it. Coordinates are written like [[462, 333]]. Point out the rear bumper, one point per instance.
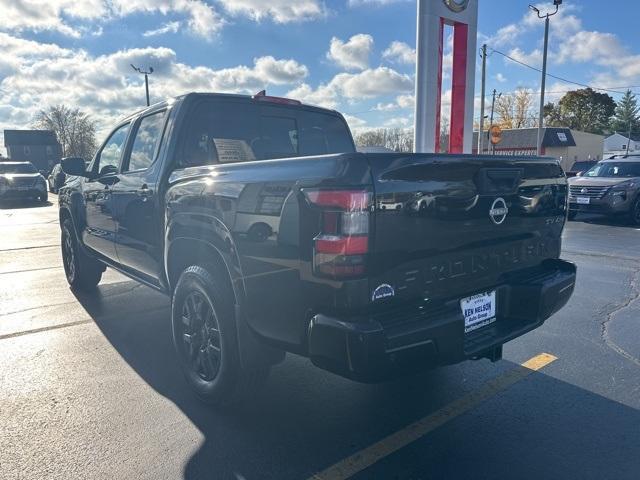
[[385, 345]]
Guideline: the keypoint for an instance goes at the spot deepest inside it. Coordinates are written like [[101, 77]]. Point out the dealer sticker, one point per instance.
[[478, 311]]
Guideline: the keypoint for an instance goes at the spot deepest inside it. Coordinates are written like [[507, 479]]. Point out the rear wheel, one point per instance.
[[43, 198], [82, 271], [572, 215], [206, 341], [634, 214]]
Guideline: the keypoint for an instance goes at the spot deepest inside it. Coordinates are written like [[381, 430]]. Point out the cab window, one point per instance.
[[146, 141], [108, 160]]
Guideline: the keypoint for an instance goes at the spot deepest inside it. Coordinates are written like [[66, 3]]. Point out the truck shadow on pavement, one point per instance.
[[22, 204], [305, 419]]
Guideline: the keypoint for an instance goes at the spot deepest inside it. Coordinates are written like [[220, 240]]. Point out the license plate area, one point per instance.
[[478, 311], [583, 200]]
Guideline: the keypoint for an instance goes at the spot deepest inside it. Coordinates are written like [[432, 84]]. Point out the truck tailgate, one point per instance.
[[448, 225]]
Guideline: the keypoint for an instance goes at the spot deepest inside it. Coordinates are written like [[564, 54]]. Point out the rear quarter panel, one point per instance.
[[255, 215]]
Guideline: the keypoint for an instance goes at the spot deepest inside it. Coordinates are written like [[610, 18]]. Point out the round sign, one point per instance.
[[495, 135], [456, 5]]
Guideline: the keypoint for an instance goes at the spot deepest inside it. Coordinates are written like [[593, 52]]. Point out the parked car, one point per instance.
[[578, 168], [611, 187], [56, 178], [365, 292], [21, 180]]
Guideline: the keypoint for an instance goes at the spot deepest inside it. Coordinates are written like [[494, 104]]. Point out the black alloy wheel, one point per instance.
[[82, 271], [201, 345], [68, 255], [205, 337]]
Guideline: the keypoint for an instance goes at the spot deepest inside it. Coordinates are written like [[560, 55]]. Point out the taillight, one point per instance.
[[340, 249]]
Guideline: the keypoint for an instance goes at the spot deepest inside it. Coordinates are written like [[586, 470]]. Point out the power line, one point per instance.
[[562, 79]]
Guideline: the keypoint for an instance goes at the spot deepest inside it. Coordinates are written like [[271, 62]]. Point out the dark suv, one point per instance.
[[21, 180]]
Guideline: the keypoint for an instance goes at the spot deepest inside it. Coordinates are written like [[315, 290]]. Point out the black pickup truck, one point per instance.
[[272, 235]]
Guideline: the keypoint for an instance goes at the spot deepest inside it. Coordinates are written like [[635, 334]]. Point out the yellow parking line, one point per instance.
[[365, 458]]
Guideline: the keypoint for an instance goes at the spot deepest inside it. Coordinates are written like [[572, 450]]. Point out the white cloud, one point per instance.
[[369, 83], [500, 78], [402, 102], [406, 101], [280, 11], [36, 75], [358, 3], [169, 27], [400, 52], [398, 122], [533, 58], [352, 54], [55, 15], [355, 123], [372, 83], [324, 96]]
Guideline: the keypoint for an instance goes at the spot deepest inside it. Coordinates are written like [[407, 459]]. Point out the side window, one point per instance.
[[147, 138], [109, 157]]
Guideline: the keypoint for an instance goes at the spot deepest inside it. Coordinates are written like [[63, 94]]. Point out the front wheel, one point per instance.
[[206, 341], [43, 198], [82, 271], [572, 215]]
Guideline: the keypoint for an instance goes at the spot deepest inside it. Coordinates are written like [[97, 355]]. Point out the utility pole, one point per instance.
[[146, 78], [483, 53], [546, 16], [493, 104]]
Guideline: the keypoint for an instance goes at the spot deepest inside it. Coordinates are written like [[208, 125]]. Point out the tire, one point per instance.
[[572, 215], [259, 232], [44, 198], [206, 340], [634, 213], [82, 271]]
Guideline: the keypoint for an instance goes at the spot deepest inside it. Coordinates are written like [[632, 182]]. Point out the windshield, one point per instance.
[[6, 168], [615, 169], [228, 132]]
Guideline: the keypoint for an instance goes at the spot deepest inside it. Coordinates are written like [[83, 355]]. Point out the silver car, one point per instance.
[[610, 187]]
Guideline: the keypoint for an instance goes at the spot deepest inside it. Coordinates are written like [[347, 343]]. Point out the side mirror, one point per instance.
[[74, 166]]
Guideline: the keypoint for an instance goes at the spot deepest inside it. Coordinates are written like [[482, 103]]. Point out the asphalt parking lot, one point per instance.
[[89, 387]]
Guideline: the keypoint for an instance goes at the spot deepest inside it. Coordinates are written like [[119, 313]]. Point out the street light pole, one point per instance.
[[543, 83], [146, 78], [482, 95], [491, 148]]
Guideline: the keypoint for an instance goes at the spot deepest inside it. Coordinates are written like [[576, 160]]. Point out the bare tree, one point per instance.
[[514, 110], [75, 130], [396, 139]]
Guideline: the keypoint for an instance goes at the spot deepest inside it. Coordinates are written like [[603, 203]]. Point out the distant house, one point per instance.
[[620, 144], [39, 147], [568, 146]]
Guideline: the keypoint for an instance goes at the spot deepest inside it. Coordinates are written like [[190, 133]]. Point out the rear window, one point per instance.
[[232, 131], [17, 168], [582, 166]]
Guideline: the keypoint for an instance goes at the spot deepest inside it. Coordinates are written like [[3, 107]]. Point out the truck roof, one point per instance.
[[261, 96]]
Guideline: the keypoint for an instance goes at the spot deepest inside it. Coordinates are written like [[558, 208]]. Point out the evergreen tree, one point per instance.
[[627, 114]]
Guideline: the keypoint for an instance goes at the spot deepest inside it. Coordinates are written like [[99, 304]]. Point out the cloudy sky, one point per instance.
[[353, 55]]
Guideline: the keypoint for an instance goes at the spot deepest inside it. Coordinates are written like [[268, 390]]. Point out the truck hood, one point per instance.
[[599, 181]]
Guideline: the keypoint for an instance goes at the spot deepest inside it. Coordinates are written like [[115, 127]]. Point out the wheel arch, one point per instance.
[[183, 252]]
